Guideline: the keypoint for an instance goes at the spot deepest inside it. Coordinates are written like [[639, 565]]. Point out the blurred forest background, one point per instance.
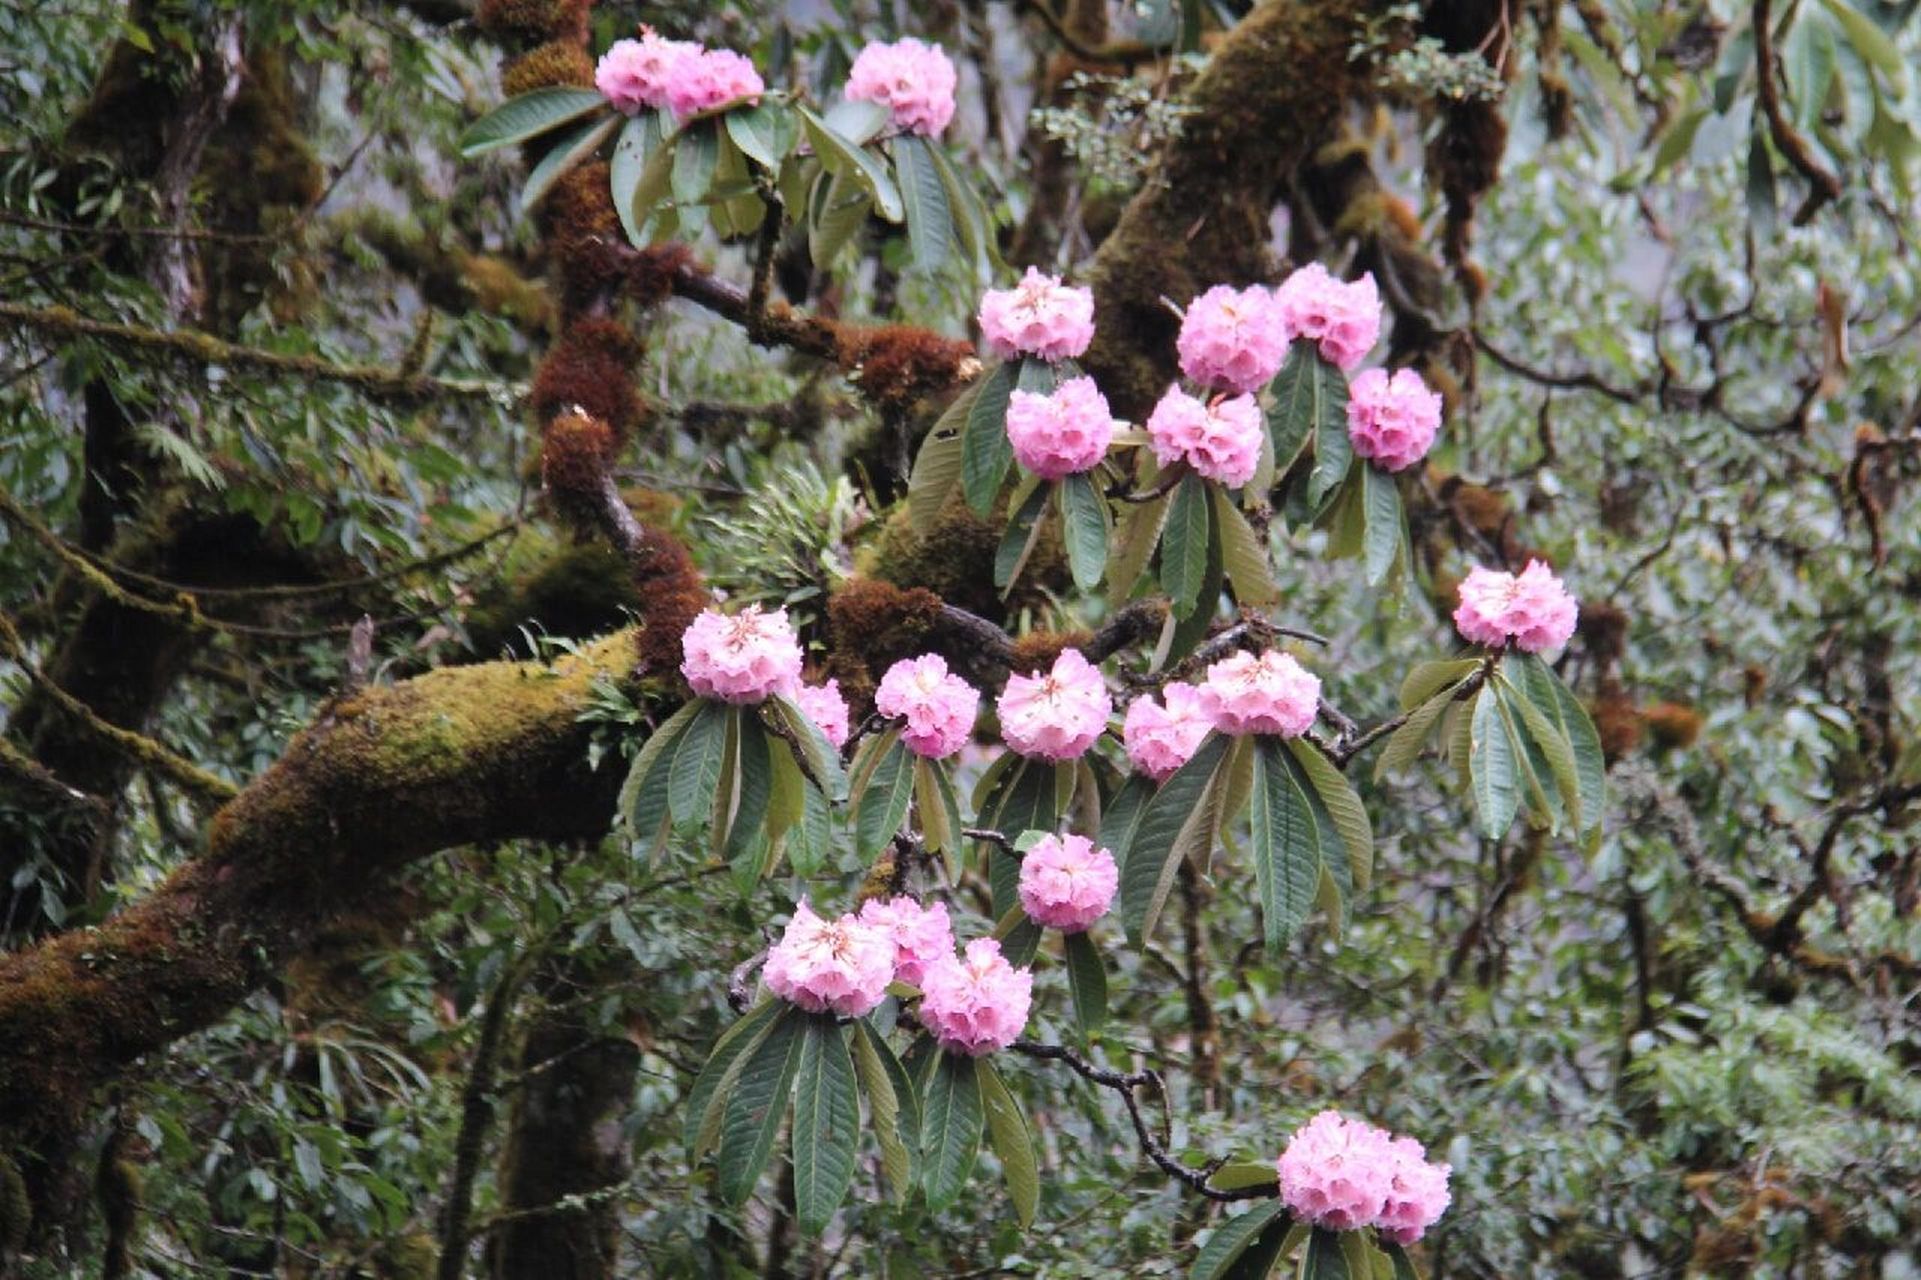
[[266, 345]]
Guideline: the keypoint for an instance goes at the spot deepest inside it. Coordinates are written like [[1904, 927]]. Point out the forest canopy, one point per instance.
[[1034, 637]]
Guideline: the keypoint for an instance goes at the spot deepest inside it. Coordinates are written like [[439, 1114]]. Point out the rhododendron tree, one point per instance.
[[924, 632]]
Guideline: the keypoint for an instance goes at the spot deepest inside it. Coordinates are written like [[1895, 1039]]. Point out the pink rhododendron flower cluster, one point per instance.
[[1059, 434], [977, 1004], [1261, 693], [827, 709], [1221, 441], [1040, 316], [1532, 608], [841, 965], [1233, 339], [938, 706], [1056, 716], [1161, 736], [922, 936], [1346, 1174], [741, 658], [1066, 883], [1344, 318], [1392, 420], [714, 77], [913, 80], [637, 73]]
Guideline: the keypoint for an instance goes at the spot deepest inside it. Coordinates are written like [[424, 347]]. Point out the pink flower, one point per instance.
[[1345, 319], [1268, 693], [1056, 716], [1059, 434], [843, 965], [1221, 441], [1233, 339], [922, 935], [1160, 739], [715, 77], [1038, 317], [1417, 1195], [939, 707], [1337, 1173], [1534, 609], [827, 709], [978, 1004], [638, 73], [1066, 883], [914, 81], [742, 658], [1392, 420]]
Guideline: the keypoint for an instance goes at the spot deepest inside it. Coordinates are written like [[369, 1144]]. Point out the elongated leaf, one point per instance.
[[1021, 536], [826, 1123], [817, 758], [937, 467], [1381, 545], [1310, 399], [1184, 545], [936, 806], [1084, 527], [564, 155], [883, 805], [890, 1102], [951, 1123], [1546, 691], [858, 120], [1231, 1238], [844, 156], [930, 219], [812, 838], [1022, 940], [758, 1102], [785, 799], [1007, 1131], [1343, 805], [765, 133], [1191, 630], [1497, 792], [700, 1124], [1243, 555], [1137, 533], [837, 216], [970, 217], [528, 116], [748, 839], [1327, 1259], [1540, 798], [1179, 822], [1286, 845], [698, 756], [1544, 733], [1236, 1174], [1430, 678], [639, 138], [1086, 981], [1404, 744], [985, 452], [1403, 1266], [1122, 814], [696, 154], [646, 766]]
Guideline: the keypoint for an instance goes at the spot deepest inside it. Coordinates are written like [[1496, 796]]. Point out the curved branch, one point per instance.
[[1824, 184]]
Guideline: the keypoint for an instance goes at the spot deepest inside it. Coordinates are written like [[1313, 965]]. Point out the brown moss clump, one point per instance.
[[1673, 725], [649, 277], [1484, 510], [534, 21], [1604, 630], [872, 624], [581, 205], [1037, 650], [554, 64], [591, 370], [671, 593], [953, 558], [576, 450], [1754, 683], [1616, 721], [897, 365], [496, 287]]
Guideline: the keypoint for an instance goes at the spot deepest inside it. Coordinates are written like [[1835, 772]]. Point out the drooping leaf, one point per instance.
[[563, 156], [1231, 1238], [1021, 536], [765, 133], [937, 467], [843, 155], [643, 797], [1184, 545], [1086, 981], [1543, 732], [817, 757], [883, 804], [890, 1103], [696, 766], [748, 842], [1013, 1144], [1137, 533], [1404, 744], [1122, 814], [1327, 1258], [971, 221], [930, 219], [1497, 792], [757, 1104], [1185, 633], [696, 155], [528, 116], [1243, 554], [1310, 400], [952, 1120], [1343, 804], [700, 1124], [837, 214], [826, 1123], [1547, 691], [1179, 822], [639, 138], [985, 452], [1381, 545], [937, 806], [1285, 844], [1430, 678], [1084, 527]]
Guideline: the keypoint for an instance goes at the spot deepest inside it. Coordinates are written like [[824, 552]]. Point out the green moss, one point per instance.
[[954, 559], [16, 1209]]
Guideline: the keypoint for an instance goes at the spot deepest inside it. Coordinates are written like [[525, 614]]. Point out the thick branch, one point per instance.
[[1824, 185]]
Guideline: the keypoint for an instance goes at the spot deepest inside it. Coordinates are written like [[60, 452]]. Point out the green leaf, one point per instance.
[[985, 452], [1497, 793], [1546, 691], [1543, 730], [750, 843], [1286, 844], [1430, 678], [951, 1125], [1243, 557], [1020, 938], [1007, 1130], [883, 805], [696, 154], [758, 1102], [1187, 632], [700, 1124], [937, 467], [838, 215], [1871, 43], [639, 138], [1343, 806], [858, 120], [826, 1123], [1184, 544], [1137, 533], [698, 756], [1677, 140], [637, 803], [1404, 744], [1084, 527], [1403, 1265], [1086, 981], [564, 155], [1381, 499], [970, 220], [890, 1103], [1022, 535], [527, 116], [843, 156], [1232, 1237], [1239, 1174], [937, 806], [817, 757], [766, 133], [1327, 1258], [1122, 815], [1179, 823], [1310, 398], [930, 220]]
